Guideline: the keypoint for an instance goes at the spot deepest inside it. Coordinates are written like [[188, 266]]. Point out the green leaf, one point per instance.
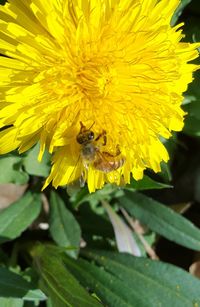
[[107, 192], [124, 280], [161, 219], [63, 226], [11, 170], [18, 216], [77, 195], [146, 184], [49, 303], [165, 171], [13, 285], [11, 302], [111, 290], [179, 11], [33, 166], [58, 283]]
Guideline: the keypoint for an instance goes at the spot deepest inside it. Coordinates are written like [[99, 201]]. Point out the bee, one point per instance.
[[91, 153]]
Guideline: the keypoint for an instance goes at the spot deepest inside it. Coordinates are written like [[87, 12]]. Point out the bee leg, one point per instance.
[[102, 135], [118, 151], [82, 180], [108, 154]]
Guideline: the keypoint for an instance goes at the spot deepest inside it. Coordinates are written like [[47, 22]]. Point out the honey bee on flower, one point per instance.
[[91, 152], [102, 160], [116, 63]]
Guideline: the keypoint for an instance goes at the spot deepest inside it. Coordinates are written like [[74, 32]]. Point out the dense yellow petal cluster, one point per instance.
[[116, 67]]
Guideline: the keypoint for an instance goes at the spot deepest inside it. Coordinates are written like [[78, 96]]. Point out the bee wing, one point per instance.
[[102, 156], [102, 163]]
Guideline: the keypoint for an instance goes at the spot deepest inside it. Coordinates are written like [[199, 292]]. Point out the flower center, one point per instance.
[[94, 80]]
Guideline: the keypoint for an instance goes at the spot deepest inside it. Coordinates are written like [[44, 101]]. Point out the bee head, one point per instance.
[[85, 137]]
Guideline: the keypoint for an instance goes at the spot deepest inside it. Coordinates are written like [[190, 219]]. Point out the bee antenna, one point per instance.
[[84, 127], [92, 125]]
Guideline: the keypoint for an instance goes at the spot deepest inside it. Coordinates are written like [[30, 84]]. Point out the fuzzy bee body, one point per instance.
[[91, 153], [108, 166]]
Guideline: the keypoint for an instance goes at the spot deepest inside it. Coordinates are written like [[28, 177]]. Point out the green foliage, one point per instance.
[[17, 217], [63, 248], [146, 183], [58, 283], [161, 219], [64, 229], [11, 302], [11, 170], [14, 286], [33, 166], [134, 281], [179, 10]]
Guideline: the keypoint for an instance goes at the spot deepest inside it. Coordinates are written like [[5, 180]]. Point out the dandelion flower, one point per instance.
[[115, 68]]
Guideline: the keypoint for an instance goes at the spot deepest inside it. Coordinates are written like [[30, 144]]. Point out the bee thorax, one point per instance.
[[88, 152]]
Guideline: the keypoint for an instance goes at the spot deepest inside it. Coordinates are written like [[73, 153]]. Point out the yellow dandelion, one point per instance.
[[95, 82]]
